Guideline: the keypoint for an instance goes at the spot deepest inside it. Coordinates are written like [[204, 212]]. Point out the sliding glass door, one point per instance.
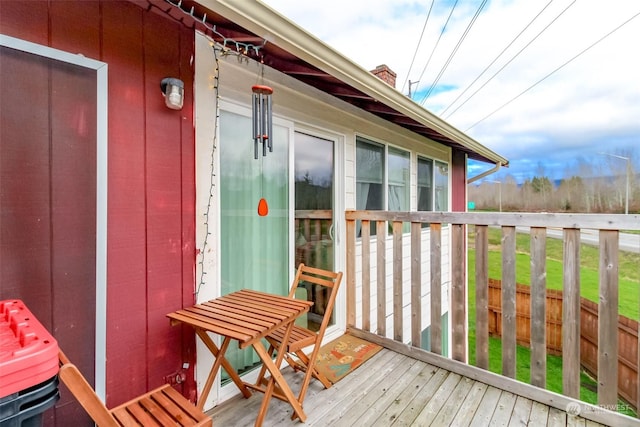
[[254, 249], [314, 225], [259, 252]]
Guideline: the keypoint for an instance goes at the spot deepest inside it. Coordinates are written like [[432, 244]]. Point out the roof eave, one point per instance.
[[265, 22]]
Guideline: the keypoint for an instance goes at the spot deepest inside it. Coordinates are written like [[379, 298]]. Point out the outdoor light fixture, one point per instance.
[[173, 91]]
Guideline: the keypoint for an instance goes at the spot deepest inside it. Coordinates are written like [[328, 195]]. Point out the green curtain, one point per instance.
[[254, 249]]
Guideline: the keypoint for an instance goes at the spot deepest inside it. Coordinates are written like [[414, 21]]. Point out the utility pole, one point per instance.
[[412, 83], [626, 203], [499, 192]]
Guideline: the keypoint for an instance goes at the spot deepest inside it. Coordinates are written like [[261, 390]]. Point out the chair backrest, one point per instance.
[[318, 276], [71, 376]]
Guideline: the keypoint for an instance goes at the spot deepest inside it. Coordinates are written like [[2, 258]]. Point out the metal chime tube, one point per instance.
[[261, 108], [263, 123], [254, 114], [270, 123]]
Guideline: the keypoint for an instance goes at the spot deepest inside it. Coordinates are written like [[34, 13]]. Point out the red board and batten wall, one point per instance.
[[151, 177], [458, 181]]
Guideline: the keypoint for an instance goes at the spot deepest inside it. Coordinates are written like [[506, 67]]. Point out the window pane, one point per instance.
[[369, 162], [442, 186], [398, 180], [425, 188], [369, 175]]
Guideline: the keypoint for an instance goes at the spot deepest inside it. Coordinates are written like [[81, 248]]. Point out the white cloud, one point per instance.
[[585, 105]]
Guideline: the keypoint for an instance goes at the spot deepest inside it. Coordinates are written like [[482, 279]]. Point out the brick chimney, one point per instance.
[[384, 73]]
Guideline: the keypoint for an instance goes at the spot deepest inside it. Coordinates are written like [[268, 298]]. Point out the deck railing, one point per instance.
[[387, 284]]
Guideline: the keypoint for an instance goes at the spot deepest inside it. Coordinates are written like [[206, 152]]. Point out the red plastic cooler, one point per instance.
[[28, 353], [28, 366]]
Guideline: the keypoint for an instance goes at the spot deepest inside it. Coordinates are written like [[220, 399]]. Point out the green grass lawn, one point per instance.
[[628, 304]]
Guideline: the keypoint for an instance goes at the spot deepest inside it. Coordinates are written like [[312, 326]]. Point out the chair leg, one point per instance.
[[310, 370], [306, 360], [294, 365], [263, 369]]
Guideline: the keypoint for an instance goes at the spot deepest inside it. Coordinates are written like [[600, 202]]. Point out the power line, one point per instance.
[[416, 52], [513, 58], [455, 50], [495, 59], [438, 41], [554, 71]]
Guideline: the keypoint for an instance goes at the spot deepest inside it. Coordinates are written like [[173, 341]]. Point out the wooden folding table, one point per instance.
[[246, 316]]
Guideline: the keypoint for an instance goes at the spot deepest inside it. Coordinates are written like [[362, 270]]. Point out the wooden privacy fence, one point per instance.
[[627, 333]]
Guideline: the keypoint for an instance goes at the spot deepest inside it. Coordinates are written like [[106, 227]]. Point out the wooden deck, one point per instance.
[[400, 390]]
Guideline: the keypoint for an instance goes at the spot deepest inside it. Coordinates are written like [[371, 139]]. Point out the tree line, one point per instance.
[[588, 187]]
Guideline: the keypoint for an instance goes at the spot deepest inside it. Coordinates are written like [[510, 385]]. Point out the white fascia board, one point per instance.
[[268, 24]]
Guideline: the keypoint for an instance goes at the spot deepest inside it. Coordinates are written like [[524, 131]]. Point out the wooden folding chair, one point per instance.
[[163, 406], [301, 337]]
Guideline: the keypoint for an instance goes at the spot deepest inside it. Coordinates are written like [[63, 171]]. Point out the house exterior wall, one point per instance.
[[151, 186], [151, 168], [458, 181], [309, 110]]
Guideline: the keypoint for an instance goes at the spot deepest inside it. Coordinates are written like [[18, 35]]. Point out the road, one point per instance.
[[628, 242]]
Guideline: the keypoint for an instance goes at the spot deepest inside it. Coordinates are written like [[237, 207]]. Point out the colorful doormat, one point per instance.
[[341, 356]]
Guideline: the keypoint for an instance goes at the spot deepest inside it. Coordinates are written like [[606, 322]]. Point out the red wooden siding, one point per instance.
[[48, 224], [458, 181], [151, 177]]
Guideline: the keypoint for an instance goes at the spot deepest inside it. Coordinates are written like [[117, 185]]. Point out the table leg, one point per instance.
[[276, 377], [220, 360]]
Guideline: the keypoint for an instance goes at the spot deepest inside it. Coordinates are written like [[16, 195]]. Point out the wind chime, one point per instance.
[[261, 108]]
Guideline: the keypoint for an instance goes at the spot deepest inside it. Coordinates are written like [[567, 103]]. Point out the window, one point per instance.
[[442, 187], [378, 166], [425, 184], [369, 175], [433, 185], [398, 191]]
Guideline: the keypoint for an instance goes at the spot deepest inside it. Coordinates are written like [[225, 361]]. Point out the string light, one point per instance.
[[205, 243], [226, 42]]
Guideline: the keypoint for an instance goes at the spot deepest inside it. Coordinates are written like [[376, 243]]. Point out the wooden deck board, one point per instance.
[[369, 409], [394, 389], [377, 395], [486, 408], [521, 412], [431, 409], [451, 407], [407, 417], [504, 409], [470, 405], [391, 414]]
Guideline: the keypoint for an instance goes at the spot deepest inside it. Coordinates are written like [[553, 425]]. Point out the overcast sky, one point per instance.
[[498, 83]]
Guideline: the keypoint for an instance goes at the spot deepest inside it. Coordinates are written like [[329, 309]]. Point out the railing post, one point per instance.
[[459, 292], [482, 297], [538, 307], [416, 284], [436, 287], [365, 238], [351, 273], [571, 314], [397, 281], [608, 320], [509, 301], [381, 250]]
